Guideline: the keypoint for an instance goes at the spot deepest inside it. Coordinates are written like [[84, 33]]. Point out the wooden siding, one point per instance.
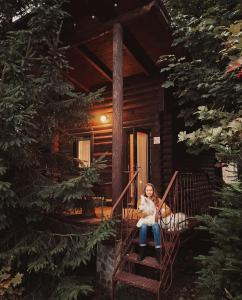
[[167, 144], [143, 102]]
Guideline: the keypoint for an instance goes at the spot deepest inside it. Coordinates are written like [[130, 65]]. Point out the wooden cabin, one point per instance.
[[116, 44]]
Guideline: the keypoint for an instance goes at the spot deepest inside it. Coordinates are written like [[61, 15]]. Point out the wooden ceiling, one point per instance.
[[89, 33]]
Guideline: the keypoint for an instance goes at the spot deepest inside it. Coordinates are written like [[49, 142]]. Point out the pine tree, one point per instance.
[[221, 274], [35, 100]]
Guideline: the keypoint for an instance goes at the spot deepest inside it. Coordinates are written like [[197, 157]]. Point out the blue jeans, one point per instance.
[[143, 235]]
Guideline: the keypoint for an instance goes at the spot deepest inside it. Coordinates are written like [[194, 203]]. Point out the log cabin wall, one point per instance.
[[143, 104], [167, 145], [167, 140]]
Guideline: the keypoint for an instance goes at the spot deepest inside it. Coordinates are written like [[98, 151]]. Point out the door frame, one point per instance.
[[134, 131]]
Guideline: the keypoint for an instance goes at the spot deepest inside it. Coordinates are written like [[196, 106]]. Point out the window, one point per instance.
[[82, 150]]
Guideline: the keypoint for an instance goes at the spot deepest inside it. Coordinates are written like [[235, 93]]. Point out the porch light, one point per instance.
[[115, 4], [104, 119]]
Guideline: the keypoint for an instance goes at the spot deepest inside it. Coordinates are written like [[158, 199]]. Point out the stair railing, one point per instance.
[[186, 195], [124, 197], [124, 211]]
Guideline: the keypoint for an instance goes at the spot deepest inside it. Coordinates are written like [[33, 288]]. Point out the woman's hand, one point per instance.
[[157, 210]]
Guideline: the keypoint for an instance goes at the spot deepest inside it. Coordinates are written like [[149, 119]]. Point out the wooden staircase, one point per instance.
[[148, 274], [129, 273]]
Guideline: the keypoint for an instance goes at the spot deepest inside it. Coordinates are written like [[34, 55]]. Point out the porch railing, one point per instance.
[[187, 195], [124, 209]]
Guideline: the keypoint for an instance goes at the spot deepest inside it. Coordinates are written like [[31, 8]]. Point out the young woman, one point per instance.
[[150, 203]]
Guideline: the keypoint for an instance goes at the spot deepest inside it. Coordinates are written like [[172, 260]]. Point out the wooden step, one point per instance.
[[152, 243], [148, 261], [149, 242], [141, 282]]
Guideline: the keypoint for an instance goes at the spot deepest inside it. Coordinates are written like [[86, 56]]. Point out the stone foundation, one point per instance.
[[106, 262]]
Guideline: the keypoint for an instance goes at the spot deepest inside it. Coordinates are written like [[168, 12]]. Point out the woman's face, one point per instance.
[[149, 191]]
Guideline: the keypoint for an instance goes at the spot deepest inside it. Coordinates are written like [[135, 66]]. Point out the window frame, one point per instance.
[[76, 147]]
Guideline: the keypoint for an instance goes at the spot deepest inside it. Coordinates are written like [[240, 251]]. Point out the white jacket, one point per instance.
[[147, 206]]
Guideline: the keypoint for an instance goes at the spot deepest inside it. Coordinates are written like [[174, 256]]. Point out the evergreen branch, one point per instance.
[[27, 52], [3, 77]]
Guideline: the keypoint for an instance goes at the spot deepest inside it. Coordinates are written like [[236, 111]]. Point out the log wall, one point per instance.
[[143, 104]]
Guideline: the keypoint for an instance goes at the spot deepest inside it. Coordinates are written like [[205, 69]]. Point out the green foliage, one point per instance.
[[221, 273], [220, 130], [207, 87], [9, 284], [37, 240], [73, 290], [208, 77]]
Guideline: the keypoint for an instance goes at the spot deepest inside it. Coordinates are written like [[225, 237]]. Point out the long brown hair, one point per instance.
[[154, 197]]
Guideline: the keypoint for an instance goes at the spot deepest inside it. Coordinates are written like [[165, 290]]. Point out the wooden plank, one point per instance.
[[142, 99], [148, 261], [103, 137], [128, 106], [95, 62], [117, 122], [102, 154], [138, 281], [162, 12], [136, 91], [133, 46], [146, 85]]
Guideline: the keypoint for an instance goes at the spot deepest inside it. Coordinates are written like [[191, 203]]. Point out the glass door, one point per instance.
[[138, 158]]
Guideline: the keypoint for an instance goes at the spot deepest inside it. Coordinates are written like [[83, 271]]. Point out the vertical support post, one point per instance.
[[117, 124]]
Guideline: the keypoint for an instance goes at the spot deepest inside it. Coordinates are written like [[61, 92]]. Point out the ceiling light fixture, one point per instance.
[[104, 119]]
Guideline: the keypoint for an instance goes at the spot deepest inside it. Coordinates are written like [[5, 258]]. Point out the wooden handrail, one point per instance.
[[168, 189], [123, 193]]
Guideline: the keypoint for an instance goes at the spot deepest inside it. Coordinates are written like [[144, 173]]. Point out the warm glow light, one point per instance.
[[104, 119]]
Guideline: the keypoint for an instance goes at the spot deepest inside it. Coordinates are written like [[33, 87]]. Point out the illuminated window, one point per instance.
[[82, 151]]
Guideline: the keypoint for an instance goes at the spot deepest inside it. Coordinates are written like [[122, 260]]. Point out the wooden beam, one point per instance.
[[76, 83], [136, 50], [161, 11], [81, 37], [117, 123], [95, 62]]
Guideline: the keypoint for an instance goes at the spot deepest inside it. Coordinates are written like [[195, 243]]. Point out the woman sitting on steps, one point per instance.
[[149, 205]]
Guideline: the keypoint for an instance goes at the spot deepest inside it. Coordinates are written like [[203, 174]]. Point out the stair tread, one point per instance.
[[148, 261], [149, 242], [152, 243], [138, 281]]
